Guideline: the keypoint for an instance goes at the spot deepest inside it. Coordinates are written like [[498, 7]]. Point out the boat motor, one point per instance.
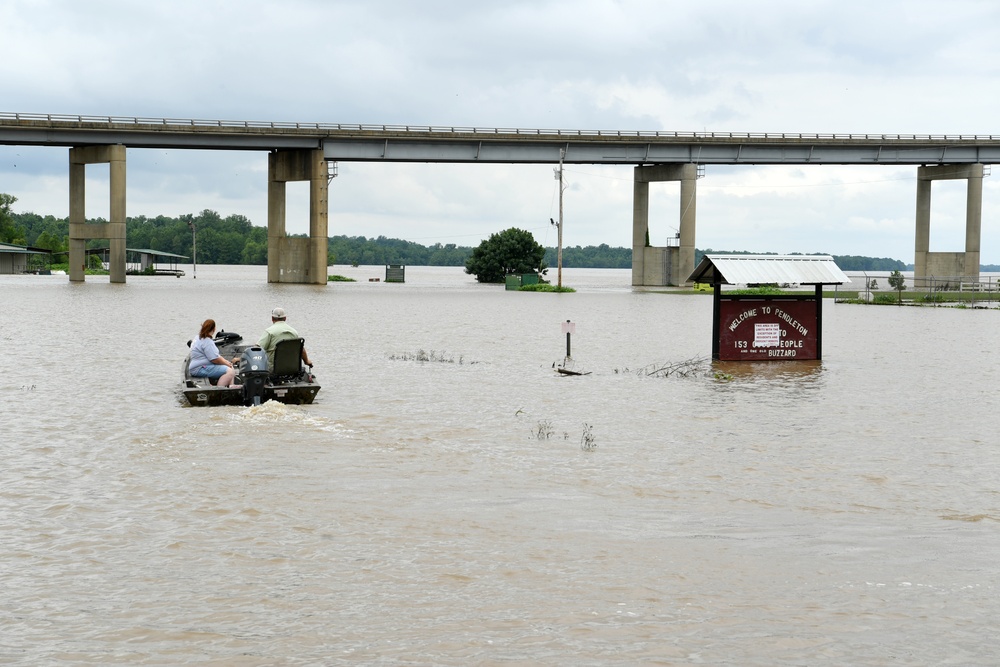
[[253, 374], [224, 337]]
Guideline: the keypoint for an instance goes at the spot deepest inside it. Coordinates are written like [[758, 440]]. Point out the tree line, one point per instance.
[[229, 240], [235, 240]]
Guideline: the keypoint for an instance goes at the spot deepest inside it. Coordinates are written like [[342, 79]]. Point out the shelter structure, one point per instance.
[[14, 258], [767, 327], [143, 260]]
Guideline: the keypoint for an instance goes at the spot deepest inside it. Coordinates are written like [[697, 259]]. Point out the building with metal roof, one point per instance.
[[14, 258]]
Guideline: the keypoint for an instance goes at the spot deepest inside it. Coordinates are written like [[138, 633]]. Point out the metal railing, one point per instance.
[[454, 129], [985, 290]]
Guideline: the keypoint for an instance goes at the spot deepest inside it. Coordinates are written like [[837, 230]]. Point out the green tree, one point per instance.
[[255, 249], [510, 251], [897, 282], [10, 231]]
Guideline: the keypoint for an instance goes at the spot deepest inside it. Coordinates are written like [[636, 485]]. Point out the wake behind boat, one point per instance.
[[290, 381]]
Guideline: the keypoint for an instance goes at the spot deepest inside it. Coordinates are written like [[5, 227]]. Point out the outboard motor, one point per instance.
[[226, 337], [253, 374]]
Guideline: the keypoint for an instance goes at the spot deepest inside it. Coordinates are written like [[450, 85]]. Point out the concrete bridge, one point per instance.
[[307, 151]]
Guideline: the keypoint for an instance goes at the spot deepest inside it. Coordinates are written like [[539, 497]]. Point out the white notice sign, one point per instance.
[[766, 334]]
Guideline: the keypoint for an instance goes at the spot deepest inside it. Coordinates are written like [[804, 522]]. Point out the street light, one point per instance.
[[194, 249]]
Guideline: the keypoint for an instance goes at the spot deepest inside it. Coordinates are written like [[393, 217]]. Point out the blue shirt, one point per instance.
[[203, 351]]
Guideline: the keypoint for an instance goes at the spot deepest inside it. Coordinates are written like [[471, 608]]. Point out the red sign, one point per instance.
[[772, 330]]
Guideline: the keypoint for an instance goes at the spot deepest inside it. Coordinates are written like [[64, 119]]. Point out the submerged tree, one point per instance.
[[509, 252], [897, 282]]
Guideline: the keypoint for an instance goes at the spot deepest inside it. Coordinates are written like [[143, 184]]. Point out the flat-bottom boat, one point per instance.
[[289, 381]]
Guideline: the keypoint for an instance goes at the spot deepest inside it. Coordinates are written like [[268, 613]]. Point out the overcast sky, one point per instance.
[[845, 66]]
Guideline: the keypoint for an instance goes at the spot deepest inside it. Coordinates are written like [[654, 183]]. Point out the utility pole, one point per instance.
[[194, 249], [559, 225]]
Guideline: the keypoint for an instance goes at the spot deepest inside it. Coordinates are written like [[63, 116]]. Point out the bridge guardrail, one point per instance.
[[431, 129]]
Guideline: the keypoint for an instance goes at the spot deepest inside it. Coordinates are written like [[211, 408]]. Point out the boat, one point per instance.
[[289, 381]]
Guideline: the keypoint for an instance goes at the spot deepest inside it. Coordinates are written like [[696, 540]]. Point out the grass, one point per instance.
[[914, 298], [763, 290], [340, 279], [880, 297], [544, 287]]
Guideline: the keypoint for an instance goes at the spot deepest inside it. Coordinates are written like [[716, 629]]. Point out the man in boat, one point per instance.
[[278, 331]]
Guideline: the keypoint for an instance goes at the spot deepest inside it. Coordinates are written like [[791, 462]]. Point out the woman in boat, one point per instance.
[[206, 362]]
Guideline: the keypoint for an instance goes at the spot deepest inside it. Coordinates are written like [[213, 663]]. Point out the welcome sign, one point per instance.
[[767, 330], [748, 326]]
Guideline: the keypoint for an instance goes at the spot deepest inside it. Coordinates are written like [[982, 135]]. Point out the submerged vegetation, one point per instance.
[[761, 290], [936, 299], [687, 368], [424, 356], [544, 431], [544, 287]]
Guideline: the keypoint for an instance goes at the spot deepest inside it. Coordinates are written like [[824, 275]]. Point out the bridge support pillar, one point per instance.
[[113, 230], [669, 265], [292, 259], [962, 266]]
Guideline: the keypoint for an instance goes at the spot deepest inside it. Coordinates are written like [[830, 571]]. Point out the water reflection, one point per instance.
[[799, 372]]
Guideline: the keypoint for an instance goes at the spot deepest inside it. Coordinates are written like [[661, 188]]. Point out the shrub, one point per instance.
[[761, 290], [544, 287]]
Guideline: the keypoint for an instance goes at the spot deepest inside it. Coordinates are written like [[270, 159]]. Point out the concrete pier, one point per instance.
[[963, 266], [113, 230], [663, 265], [292, 259]]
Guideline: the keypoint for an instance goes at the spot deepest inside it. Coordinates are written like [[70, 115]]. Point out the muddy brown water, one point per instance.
[[447, 512]]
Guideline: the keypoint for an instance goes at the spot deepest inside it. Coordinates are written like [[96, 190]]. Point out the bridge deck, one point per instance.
[[407, 143]]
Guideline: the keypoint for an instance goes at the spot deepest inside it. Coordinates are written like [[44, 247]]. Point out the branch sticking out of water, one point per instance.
[[686, 368]]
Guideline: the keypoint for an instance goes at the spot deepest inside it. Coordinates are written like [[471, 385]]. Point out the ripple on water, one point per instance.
[[445, 512]]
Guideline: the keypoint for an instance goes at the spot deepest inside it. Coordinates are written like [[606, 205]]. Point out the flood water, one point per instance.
[[477, 508]]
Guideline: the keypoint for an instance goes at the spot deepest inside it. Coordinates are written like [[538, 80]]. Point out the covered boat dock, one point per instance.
[[143, 261]]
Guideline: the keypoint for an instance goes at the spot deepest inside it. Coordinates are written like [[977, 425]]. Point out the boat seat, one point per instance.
[[288, 358]]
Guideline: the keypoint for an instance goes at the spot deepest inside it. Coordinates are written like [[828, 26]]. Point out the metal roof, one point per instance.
[[22, 249], [155, 253], [754, 269]]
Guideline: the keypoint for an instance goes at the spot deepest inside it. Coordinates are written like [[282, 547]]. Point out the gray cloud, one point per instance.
[[913, 66]]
